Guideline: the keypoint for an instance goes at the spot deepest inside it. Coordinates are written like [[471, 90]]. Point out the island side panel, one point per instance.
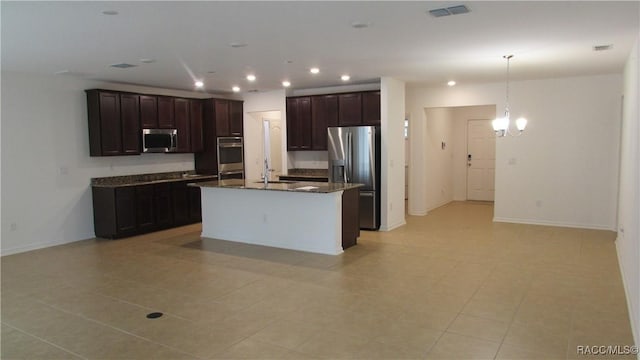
[[350, 217], [292, 220]]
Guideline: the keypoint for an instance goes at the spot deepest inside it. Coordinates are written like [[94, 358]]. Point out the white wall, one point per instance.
[[309, 159], [439, 161], [46, 167], [628, 241], [566, 163], [392, 107], [255, 104]]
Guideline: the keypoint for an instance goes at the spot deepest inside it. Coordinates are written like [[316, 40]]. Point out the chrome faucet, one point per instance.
[[265, 172]]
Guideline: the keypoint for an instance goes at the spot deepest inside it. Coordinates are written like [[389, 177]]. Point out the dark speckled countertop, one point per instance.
[[144, 179], [295, 186]]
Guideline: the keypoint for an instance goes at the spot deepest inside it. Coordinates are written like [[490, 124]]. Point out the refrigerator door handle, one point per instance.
[[349, 156]]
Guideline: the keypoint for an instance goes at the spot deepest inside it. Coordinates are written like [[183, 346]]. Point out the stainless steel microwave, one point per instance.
[[159, 140]]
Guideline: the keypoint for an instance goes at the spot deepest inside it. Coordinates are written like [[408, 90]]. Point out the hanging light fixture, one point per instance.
[[501, 125]]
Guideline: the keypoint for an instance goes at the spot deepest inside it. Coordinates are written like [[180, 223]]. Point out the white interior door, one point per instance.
[[275, 147], [481, 160]]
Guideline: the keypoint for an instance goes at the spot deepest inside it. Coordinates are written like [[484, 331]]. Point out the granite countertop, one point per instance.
[[145, 179], [311, 174], [293, 186]]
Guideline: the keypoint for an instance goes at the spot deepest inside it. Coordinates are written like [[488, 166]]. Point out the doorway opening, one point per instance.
[[447, 154]]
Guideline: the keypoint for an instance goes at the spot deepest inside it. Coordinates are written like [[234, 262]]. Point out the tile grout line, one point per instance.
[[44, 340]]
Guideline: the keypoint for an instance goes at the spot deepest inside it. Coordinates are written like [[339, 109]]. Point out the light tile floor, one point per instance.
[[449, 285]]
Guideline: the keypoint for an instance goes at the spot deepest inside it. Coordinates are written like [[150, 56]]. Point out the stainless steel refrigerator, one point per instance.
[[354, 157]]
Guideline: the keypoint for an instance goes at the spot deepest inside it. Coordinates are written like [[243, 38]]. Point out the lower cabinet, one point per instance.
[[133, 210]]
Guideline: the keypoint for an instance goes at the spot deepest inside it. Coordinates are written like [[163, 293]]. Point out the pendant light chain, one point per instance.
[[506, 109]]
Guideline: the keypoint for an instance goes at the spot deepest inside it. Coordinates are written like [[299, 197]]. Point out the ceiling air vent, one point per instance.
[[453, 10], [602, 47], [122, 65]]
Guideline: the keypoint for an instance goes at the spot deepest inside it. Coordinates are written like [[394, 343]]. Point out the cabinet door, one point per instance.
[[110, 125], [125, 210], [371, 108], [180, 203], [165, 113], [206, 162], [162, 201], [221, 109], [130, 118], [145, 214], [195, 204], [324, 113], [350, 109], [181, 117], [299, 124], [235, 118], [148, 112], [195, 115]]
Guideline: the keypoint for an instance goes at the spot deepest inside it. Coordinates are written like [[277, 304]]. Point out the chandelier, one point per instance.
[[501, 125]]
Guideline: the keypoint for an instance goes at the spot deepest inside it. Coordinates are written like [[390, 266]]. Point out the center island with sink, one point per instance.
[[315, 217]]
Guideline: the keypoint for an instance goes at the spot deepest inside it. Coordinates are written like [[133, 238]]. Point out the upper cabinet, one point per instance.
[[181, 118], [350, 109], [299, 123], [235, 118], [196, 118], [228, 117], [309, 117], [324, 113], [148, 112], [371, 108], [166, 113], [114, 123]]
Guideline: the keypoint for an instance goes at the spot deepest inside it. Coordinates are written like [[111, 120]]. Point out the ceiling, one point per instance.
[[191, 40]]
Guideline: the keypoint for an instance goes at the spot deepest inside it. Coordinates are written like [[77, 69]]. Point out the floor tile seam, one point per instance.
[[511, 322], [243, 338], [475, 336], [119, 330], [44, 340]]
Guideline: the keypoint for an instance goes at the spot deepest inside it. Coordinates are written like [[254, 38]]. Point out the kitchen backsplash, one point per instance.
[[308, 160]]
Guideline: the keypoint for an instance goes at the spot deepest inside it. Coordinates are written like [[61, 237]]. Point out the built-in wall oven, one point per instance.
[[230, 158]]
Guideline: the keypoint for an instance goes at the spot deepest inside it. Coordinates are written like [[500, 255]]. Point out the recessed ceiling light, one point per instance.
[[251, 77], [148, 61], [345, 77], [286, 83], [237, 44], [236, 89], [110, 12], [360, 25], [451, 83], [314, 70], [199, 84]]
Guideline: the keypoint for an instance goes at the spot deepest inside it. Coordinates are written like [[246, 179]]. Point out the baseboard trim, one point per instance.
[[35, 246], [393, 226], [632, 315], [552, 223]]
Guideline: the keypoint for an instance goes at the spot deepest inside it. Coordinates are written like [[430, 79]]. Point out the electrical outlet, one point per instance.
[[13, 226]]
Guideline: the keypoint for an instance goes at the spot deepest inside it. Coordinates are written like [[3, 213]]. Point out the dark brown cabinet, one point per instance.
[[181, 118], [165, 112], [299, 123], [324, 113], [221, 109], [228, 117], [206, 162], [350, 109], [132, 210], [148, 112], [195, 124], [235, 118], [162, 204], [371, 108], [114, 123], [145, 208]]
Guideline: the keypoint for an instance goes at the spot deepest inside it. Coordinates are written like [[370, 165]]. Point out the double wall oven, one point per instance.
[[230, 158]]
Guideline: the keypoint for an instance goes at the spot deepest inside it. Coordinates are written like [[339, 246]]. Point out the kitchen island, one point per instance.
[[307, 216]]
